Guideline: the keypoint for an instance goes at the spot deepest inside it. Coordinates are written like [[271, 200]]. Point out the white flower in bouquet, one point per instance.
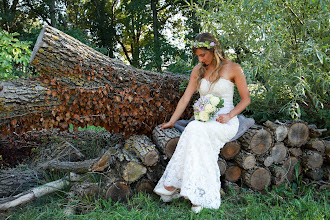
[[207, 106]]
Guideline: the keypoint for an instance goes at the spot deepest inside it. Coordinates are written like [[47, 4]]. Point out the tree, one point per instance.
[[282, 47]]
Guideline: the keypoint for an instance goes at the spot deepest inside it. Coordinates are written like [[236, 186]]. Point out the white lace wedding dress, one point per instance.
[[193, 167]]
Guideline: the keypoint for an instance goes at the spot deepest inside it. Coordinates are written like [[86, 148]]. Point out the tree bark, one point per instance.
[[245, 160], [280, 132], [81, 86], [143, 148]]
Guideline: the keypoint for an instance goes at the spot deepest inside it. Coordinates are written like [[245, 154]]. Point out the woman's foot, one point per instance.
[[166, 191], [196, 208]]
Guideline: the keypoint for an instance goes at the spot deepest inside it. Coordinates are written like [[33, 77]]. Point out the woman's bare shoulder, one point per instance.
[[235, 67]]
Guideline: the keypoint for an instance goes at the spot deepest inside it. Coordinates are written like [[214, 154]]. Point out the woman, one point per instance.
[[193, 170]]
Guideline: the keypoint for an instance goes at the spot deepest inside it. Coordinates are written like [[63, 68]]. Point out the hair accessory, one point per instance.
[[207, 44]]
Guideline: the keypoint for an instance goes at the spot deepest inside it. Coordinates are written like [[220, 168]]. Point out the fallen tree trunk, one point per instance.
[[81, 86], [36, 192]]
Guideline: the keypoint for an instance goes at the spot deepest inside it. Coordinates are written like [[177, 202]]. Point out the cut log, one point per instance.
[[312, 159], [298, 133], [293, 168], [222, 166], [86, 190], [279, 174], [154, 173], [257, 179], [246, 160], [230, 150], [233, 173], [295, 151], [77, 167], [16, 180], [315, 144], [280, 131], [166, 139], [118, 191], [314, 132], [145, 185], [143, 148], [265, 160], [81, 86], [257, 140], [315, 174], [279, 152]]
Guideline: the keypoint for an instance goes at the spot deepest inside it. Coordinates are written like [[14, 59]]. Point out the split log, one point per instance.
[[81, 86], [315, 144], [222, 166], [315, 174], [104, 161], [298, 133], [143, 148], [257, 179], [245, 160], [293, 168], [166, 139], [17, 180], [233, 173], [118, 191], [230, 150], [280, 131], [257, 140], [132, 171], [37, 192], [312, 159]]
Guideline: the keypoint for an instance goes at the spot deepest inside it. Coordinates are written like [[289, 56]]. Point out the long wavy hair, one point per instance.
[[219, 57]]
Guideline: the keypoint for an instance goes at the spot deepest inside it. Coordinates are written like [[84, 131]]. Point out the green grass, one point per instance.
[[280, 203]]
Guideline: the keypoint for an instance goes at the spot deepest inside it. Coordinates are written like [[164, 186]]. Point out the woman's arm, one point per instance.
[[240, 81], [184, 100]]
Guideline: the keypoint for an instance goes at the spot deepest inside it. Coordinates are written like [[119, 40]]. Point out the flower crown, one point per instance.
[[207, 44]]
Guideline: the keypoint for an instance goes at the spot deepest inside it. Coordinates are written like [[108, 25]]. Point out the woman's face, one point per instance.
[[204, 56]]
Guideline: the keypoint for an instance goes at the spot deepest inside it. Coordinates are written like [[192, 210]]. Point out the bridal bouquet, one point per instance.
[[207, 106]]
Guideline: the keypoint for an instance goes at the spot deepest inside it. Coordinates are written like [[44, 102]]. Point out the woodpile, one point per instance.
[[126, 165]]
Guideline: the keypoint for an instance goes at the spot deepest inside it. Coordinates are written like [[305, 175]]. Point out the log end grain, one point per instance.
[[279, 152], [233, 173], [261, 142], [119, 191], [230, 150], [146, 186], [312, 159], [151, 158], [171, 146], [298, 134], [259, 179]]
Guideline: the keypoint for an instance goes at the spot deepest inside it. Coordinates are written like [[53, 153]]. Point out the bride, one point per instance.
[[193, 170]]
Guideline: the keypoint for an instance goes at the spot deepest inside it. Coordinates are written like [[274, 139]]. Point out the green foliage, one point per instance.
[[14, 56], [283, 49]]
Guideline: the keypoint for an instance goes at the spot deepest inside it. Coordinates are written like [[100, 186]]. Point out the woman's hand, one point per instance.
[[223, 118], [167, 125]]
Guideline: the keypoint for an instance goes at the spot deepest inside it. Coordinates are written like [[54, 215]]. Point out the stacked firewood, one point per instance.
[[265, 155]]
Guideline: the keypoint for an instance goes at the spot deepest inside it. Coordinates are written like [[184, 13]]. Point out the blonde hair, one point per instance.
[[219, 57]]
